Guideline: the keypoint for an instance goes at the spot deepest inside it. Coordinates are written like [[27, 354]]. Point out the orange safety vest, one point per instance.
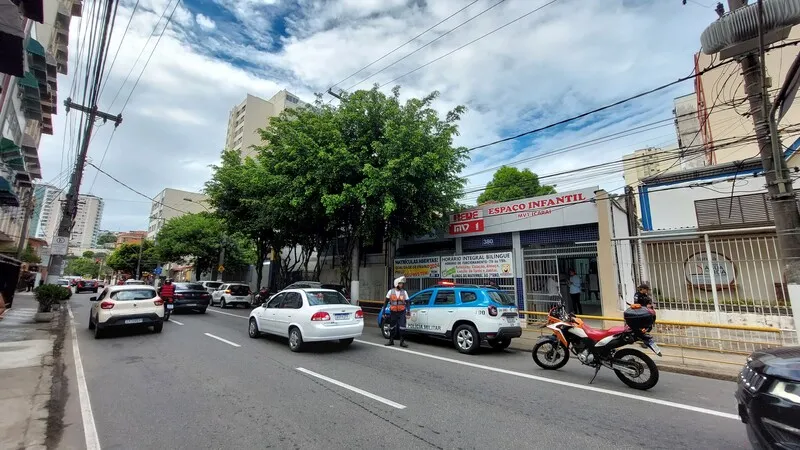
[[397, 302]]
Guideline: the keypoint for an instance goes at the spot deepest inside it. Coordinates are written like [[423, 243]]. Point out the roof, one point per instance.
[[127, 287]]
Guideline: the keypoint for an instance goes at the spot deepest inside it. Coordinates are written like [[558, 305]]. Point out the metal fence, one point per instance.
[[728, 277]]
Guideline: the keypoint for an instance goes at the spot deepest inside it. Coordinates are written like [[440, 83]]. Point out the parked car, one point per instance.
[[85, 286], [769, 398], [101, 283], [231, 294], [191, 296], [463, 313], [308, 315], [67, 284], [319, 285], [211, 286], [126, 306]]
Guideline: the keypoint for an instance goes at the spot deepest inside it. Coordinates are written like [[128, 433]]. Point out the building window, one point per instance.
[[292, 99]]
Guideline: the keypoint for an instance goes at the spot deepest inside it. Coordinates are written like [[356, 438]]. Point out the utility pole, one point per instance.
[[633, 230], [23, 234], [70, 206], [139, 261]]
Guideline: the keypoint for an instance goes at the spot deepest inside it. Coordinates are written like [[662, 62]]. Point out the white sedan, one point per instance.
[[126, 306], [308, 315]]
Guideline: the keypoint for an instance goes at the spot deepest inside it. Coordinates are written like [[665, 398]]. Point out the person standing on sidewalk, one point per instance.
[[398, 311], [575, 291]]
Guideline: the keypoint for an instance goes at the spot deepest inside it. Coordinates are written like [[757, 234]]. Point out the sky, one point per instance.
[[559, 61]]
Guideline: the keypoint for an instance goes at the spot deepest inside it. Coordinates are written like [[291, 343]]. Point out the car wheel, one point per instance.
[[295, 339], [203, 311], [466, 339], [222, 304], [346, 342], [94, 291], [91, 324], [500, 344], [252, 328], [158, 327], [98, 333]]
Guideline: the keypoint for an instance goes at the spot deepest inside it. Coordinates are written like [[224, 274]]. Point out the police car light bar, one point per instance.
[[447, 283]]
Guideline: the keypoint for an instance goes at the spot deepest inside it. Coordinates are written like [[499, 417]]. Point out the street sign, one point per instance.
[[157, 271], [59, 246], [221, 268]]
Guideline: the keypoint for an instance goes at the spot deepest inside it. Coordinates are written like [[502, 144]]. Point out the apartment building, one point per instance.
[[46, 212], [253, 114], [649, 162], [171, 203], [130, 237], [86, 226]]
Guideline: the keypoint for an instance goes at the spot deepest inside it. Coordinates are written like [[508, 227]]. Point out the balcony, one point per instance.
[[62, 58], [77, 8], [47, 123], [29, 94]]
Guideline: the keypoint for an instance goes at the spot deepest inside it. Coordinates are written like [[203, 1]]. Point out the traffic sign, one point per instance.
[[157, 271], [221, 268], [59, 245]]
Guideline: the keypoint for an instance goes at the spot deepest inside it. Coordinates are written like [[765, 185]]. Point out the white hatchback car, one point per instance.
[[231, 294], [126, 306], [308, 315]]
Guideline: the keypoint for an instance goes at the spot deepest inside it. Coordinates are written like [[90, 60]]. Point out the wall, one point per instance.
[[166, 200]]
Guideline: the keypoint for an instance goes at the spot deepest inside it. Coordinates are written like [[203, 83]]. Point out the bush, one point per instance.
[[48, 294]]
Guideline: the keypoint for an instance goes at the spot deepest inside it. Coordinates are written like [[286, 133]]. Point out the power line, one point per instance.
[[401, 46], [122, 41], [134, 190], [431, 41]]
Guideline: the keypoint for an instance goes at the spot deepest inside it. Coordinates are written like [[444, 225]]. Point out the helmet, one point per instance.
[[399, 280], [168, 280]]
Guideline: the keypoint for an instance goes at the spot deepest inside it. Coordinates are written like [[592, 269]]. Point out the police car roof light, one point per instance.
[[447, 283]]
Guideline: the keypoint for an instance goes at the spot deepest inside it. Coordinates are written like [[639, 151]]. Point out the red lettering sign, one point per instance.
[[466, 216], [473, 226], [536, 204]]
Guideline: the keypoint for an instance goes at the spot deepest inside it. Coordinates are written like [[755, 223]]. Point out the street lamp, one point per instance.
[[223, 241]]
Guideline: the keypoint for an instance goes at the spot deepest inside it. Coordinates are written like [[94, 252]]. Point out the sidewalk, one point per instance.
[[29, 352]]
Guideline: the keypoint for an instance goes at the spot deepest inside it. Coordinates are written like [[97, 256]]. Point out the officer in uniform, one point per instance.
[[399, 309]]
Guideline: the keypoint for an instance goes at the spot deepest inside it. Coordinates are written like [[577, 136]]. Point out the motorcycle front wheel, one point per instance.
[[550, 355], [645, 366]]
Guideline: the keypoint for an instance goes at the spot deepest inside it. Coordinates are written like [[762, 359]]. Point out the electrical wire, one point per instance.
[[134, 190], [122, 41]]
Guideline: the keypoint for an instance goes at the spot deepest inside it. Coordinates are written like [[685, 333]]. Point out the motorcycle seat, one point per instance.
[[598, 335]]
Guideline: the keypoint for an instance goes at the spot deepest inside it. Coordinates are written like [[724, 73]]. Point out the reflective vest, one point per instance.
[[397, 302]]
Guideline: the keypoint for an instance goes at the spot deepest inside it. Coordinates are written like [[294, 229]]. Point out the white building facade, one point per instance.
[[253, 114], [86, 226], [171, 203]]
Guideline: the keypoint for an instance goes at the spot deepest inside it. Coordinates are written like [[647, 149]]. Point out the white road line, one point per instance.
[[222, 340], [87, 416], [175, 321], [228, 314], [656, 401], [353, 388]]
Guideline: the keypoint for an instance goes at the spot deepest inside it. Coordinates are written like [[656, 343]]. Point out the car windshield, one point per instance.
[[502, 298], [189, 287], [133, 294], [316, 298], [213, 285], [239, 289]]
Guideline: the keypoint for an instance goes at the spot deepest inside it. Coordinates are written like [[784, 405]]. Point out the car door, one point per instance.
[[266, 318], [287, 313], [442, 311], [418, 321], [96, 303], [218, 293]]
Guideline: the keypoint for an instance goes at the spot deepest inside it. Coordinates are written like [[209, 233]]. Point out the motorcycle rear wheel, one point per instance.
[[556, 355], [648, 382]]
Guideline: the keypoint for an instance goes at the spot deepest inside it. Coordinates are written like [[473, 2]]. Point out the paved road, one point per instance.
[[187, 390]]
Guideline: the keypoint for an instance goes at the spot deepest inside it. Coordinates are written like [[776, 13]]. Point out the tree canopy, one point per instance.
[[82, 266], [126, 257], [372, 169], [106, 238], [510, 183]]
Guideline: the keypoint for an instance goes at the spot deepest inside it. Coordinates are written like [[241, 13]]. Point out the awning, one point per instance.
[[7, 195], [32, 9], [11, 38], [11, 154], [31, 100]]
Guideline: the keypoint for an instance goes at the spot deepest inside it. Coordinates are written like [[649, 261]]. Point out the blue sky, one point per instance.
[[572, 56]]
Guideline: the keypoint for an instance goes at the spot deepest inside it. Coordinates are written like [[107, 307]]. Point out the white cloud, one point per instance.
[[568, 58]]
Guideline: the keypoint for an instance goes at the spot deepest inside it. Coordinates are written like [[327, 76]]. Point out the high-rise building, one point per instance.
[[171, 203], [86, 227], [46, 212], [253, 114]]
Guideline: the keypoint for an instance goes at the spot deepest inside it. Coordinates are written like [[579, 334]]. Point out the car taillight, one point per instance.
[[492, 310], [359, 314], [158, 302], [320, 316], [228, 291], [205, 295], [106, 305], [178, 295]]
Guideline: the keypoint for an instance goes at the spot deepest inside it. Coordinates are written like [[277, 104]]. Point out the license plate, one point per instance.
[[342, 316], [191, 304], [129, 321], [654, 347], [169, 306], [511, 320]]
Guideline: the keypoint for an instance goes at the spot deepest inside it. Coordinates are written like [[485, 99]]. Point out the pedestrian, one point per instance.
[[575, 291], [642, 296], [31, 281], [399, 310], [594, 283]]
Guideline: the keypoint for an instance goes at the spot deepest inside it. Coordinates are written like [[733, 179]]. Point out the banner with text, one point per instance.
[[427, 267], [485, 265]]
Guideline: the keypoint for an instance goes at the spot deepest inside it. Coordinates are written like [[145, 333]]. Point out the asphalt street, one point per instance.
[[204, 384]]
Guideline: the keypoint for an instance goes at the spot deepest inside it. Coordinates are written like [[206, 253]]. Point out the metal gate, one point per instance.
[[541, 284]]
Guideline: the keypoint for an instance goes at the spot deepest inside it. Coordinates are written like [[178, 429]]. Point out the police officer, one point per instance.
[[642, 296], [399, 309]]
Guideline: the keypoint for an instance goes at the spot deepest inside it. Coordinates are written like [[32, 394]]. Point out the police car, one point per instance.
[[464, 313]]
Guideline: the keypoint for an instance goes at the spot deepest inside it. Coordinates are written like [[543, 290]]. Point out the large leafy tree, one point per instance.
[[126, 257], [82, 266], [106, 238], [200, 238], [510, 183]]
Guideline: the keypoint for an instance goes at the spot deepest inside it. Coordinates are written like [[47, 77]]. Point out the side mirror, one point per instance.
[[92, 299], [264, 304]]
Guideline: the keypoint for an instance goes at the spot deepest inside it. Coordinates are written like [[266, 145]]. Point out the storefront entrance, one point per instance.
[[547, 276]]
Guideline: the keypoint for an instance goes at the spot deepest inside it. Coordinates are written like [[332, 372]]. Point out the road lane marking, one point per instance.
[[228, 314], [353, 388], [656, 401], [174, 321], [222, 340], [87, 416]]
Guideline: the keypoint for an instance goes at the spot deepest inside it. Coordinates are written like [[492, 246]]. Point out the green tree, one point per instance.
[[126, 257], [199, 238], [88, 254], [106, 238], [510, 183], [29, 256], [82, 266]]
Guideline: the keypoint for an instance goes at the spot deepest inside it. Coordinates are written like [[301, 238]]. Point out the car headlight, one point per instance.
[[786, 390]]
